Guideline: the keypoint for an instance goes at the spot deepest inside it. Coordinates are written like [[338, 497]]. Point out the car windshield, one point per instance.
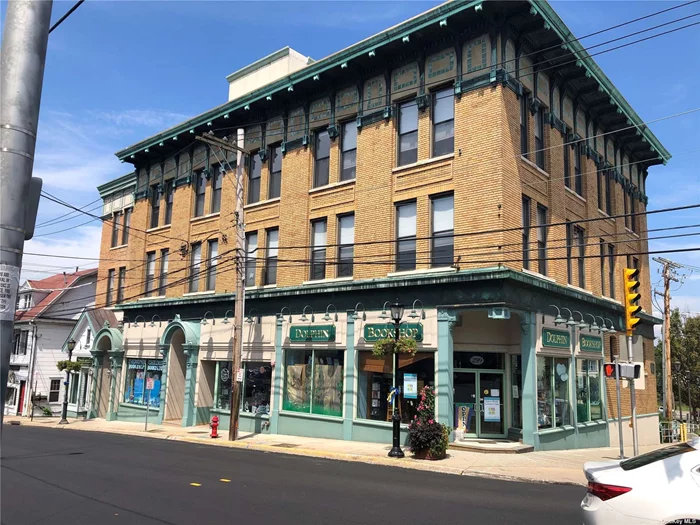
[[656, 455]]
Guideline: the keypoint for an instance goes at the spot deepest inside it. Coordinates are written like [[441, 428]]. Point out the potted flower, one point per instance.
[[405, 345], [427, 438]]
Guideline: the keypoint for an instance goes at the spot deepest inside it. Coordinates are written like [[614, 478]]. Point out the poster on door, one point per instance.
[[492, 409]]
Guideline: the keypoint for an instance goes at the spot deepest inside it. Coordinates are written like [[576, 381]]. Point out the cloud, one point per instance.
[[686, 303], [133, 117]]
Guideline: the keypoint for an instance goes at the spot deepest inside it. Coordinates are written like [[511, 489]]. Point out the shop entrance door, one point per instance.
[[479, 407]]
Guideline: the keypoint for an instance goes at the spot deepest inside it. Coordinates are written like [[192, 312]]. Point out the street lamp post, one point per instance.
[[677, 368], [64, 412], [396, 452]]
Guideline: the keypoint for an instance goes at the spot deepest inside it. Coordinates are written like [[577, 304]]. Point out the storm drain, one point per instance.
[[285, 445]]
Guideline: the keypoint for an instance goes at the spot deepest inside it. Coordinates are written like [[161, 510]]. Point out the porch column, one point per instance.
[[188, 413], [349, 380], [96, 360], [164, 350], [528, 349], [278, 377], [115, 366], [444, 395]]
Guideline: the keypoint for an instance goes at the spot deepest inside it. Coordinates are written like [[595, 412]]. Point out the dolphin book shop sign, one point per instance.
[[312, 334], [556, 338], [590, 343], [375, 332]]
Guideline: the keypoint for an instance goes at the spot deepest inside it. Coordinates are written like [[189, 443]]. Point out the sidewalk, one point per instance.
[[564, 466]]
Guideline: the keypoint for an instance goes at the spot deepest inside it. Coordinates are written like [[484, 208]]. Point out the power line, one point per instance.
[[47, 222], [68, 13]]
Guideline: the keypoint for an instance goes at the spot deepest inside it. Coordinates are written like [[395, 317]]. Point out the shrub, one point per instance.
[[405, 345], [425, 434]]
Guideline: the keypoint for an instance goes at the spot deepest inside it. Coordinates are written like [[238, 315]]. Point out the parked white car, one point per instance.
[[660, 487]]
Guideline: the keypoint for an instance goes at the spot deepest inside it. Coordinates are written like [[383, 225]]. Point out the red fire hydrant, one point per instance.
[[214, 426]]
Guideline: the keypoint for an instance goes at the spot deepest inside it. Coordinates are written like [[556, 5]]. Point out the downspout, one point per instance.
[[30, 374]]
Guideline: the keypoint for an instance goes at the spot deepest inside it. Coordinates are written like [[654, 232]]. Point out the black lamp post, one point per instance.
[[677, 368], [64, 411], [396, 452]]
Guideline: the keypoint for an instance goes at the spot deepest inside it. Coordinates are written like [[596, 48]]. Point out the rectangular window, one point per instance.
[[116, 220], [527, 205], [608, 192], [88, 334], [121, 281], [169, 195], [200, 189], [213, 252], [314, 381], [273, 238], [580, 240], [217, 178], [256, 388], [54, 390], [254, 173], [406, 237], [348, 161], [275, 168], [553, 401], [523, 125], [567, 168], [541, 239], [625, 204], [110, 287], [603, 256], [251, 249], [322, 153], [138, 372], [224, 373], [611, 269], [150, 273], [578, 175], [569, 250], [442, 249], [163, 278], [127, 226], [20, 342], [539, 138], [633, 210], [376, 378], [318, 250], [73, 388], [588, 394], [155, 206], [601, 184], [443, 122], [408, 133], [346, 240], [195, 267]]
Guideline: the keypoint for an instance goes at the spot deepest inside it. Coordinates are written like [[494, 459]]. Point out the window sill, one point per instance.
[[592, 424], [152, 298], [270, 285], [535, 166], [331, 280], [425, 162], [139, 407], [579, 289], [203, 218], [309, 415], [159, 228], [541, 276], [631, 232], [254, 205], [572, 192], [119, 246], [564, 428], [611, 299], [446, 269], [376, 423], [332, 186], [207, 292]]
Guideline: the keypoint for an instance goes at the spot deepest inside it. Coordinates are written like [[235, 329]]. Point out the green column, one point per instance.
[[276, 394], [528, 349], [444, 396], [115, 367], [96, 360], [164, 350], [350, 367], [188, 414]]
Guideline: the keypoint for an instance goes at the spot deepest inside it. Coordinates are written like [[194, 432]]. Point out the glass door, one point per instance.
[[491, 404], [466, 404]]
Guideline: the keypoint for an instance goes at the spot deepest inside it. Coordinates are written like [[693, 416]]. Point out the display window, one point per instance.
[[313, 381], [255, 390], [553, 400], [138, 374], [588, 400]]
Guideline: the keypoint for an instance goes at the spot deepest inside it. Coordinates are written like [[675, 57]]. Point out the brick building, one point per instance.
[[447, 161]]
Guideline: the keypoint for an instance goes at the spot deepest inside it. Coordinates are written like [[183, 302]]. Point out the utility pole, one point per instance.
[[668, 276], [24, 42], [239, 247]]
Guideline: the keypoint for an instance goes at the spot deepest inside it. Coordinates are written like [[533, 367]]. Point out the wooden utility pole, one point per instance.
[[668, 276], [239, 247]]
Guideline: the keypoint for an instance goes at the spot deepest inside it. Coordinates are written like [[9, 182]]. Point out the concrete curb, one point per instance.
[[406, 463]]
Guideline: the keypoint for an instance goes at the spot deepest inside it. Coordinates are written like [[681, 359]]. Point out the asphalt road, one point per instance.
[[60, 477]]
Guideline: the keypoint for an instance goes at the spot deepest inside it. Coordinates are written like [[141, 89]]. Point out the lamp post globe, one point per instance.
[[677, 366], [70, 345], [396, 311], [396, 452]]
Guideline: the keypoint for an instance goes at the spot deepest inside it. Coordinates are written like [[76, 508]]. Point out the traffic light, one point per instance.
[[609, 369], [624, 370], [632, 309]]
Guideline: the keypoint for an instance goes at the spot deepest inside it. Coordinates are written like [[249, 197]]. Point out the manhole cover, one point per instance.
[[285, 445]]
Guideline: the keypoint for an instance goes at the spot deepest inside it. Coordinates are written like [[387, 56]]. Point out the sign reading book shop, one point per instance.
[[312, 333], [589, 343], [375, 332], [556, 338]]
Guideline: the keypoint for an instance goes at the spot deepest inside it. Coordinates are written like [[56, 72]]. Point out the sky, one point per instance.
[[120, 71]]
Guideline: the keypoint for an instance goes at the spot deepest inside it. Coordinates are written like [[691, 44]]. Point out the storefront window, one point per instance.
[[257, 381], [138, 372], [553, 403], [223, 378], [516, 390], [314, 381], [376, 380], [588, 404]]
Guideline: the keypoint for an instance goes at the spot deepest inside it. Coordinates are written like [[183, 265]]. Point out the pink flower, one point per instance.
[[430, 421]]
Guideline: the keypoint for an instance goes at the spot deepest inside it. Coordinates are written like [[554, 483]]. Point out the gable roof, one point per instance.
[[95, 320], [56, 285]]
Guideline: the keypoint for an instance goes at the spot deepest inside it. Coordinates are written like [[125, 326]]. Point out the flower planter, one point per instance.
[[425, 454]]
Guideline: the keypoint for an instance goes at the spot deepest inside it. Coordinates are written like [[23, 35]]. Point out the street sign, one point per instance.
[[239, 375]]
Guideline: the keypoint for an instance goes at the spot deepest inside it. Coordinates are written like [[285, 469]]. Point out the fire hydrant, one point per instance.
[[214, 426]]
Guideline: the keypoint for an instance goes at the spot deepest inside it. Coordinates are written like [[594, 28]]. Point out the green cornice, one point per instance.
[[118, 184]]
